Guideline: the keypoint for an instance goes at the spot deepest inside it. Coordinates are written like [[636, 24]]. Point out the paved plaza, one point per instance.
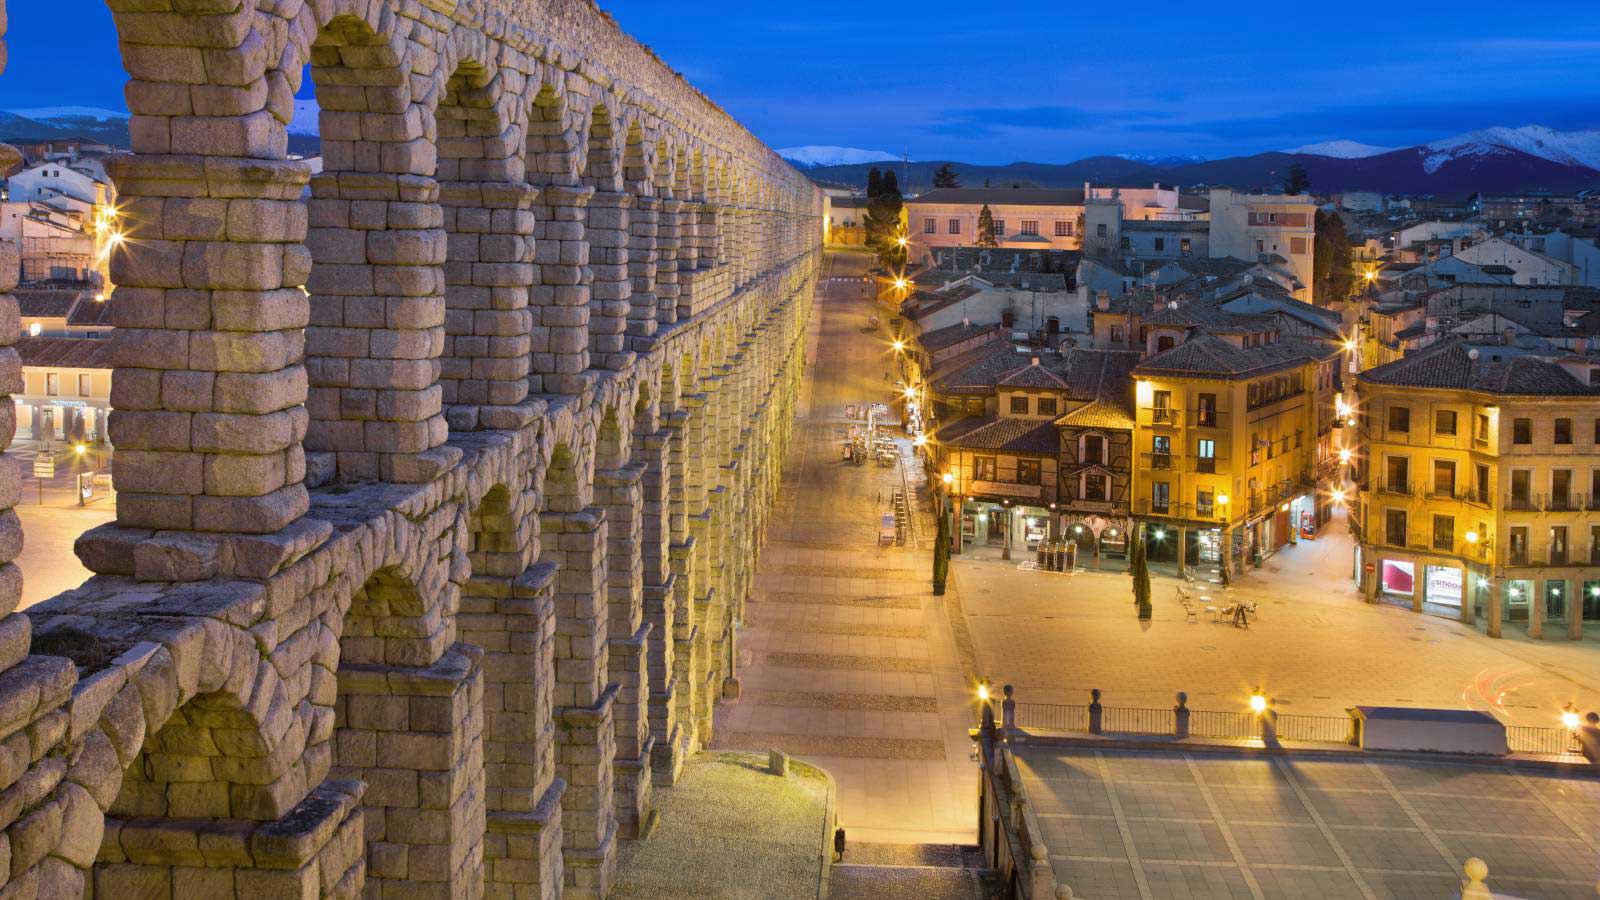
[[845, 657], [1157, 824]]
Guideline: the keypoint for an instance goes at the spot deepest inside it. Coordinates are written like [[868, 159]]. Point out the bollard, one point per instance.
[[1269, 723], [1094, 711], [1180, 716], [1008, 712], [1475, 889], [778, 763]]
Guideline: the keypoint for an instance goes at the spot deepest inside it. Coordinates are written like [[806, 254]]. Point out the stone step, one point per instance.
[[857, 882], [944, 856]]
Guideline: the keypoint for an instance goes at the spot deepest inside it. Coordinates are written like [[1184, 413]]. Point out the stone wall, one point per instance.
[[440, 474]]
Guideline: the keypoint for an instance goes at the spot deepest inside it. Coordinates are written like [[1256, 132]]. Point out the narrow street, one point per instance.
[[847, 660]]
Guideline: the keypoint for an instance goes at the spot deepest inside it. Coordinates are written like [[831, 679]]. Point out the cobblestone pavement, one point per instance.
[[1153, 824], [1316, 646], [846, 659], [729, 829]]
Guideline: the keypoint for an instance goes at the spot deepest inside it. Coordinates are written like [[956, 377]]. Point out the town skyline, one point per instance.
[[917, 86]]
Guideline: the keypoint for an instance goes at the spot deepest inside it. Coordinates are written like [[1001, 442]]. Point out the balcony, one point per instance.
[[1207, 418], [1158, 460], [1564, 502], [1397, 488], [1206, 465], [1163, 415], [1522, 502]]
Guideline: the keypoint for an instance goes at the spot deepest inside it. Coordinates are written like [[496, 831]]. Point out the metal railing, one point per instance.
[[1215, 723], [1541, 739], [1136, 720], [1319, 729], [1053, 716]]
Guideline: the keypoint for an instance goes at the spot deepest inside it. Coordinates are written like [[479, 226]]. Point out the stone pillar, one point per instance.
[[712, 249], [512, 617], [584, 698], [669, 246], [1496, 612], [644, 265], [415, 737], [484, 370], [610, 297], [561, 292], [210, 384], [660, 605], [1536, 609], [689, 235], [620, 491]]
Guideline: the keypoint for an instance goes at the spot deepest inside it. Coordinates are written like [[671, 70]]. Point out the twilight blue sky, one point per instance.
[[1048, 82]]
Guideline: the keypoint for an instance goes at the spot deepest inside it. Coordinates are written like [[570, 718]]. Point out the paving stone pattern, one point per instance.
[[845, 658], [1152, 824]]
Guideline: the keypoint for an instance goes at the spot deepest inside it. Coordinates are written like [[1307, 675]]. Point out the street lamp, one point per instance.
[[947, 478], [899, 346], [1569, 717], [1344, 455], [1258, 701]]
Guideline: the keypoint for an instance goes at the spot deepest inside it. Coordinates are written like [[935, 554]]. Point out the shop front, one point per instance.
[[1003, 524], [1438, 587]]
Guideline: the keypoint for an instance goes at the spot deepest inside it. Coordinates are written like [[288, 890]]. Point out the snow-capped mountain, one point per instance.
[[1342, 149], [811, 157], [1568, 148], [1156, 160], [55, 114]]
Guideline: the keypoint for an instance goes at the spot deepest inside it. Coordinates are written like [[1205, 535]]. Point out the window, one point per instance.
[[1261, 246], [1203, 503], [1027, 471], [1561, 489], [1394, 527], [1161, 451], [983, 468], [1161, 244], [1519, 545], [1521, 484], [1481, 429], [1522, 431], [1297, 246], [1116, 334], [1558, 545], [1047, 406], [1019, 405], [1205, 455], [1594, 554], [1563, 431], [84, 385], [1030, 226], [52, 384], [930, 226], [1206, 410], [1483, 485], [1444, 532], [1094, 449], [1184, 246], [1100, 229], [1163, 406], [999, 228], [955, 226], [1400, 419], [1597, 431], [1063, 229], [1444, 422], [1159, 496], [1094, 486], [1399, 472], [1444, 477]]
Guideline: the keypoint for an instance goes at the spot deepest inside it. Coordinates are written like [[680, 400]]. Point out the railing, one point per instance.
[[1135, 720], [1158, 460], [1206, 419], [1214, 723], [1563, 502], [1206, 465], [1525, 503], [1053, 716], [1163, 415], [1541, 739], [1318, 729], [1389, 487]]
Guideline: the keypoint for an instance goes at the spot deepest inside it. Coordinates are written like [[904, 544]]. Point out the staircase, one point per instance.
[[911, 872]]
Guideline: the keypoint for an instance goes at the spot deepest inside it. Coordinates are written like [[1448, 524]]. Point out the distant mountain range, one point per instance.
[[1494, 159]]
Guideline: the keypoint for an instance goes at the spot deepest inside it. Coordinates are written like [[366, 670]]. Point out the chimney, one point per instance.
[[1102, 300], [1507, 337], [1034, 361]]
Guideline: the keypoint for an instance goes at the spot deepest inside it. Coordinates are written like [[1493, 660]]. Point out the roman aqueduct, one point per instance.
[[441, 472]]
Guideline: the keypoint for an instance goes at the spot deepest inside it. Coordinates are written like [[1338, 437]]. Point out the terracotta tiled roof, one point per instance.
[[76, 353], [1034, 376], [940, 338], [1099, 414], [1458, 365], [1207, 354], [45, 303], [1001, 433]]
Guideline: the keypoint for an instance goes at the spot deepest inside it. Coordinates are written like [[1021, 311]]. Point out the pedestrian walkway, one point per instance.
[[846, 659]]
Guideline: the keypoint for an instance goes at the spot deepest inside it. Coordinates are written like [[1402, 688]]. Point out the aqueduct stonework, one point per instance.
[[441, 472]]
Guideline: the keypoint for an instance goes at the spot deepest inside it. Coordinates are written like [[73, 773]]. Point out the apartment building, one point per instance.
[[1262, 226], [1479, 488], [1039, 218], [1235, 443]]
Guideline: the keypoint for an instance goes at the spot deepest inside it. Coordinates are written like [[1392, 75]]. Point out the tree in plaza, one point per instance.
[[986, 237], [1298, 182], [884, 206], [1139, 571], [946, 177], [1331, 261], [941, 555]]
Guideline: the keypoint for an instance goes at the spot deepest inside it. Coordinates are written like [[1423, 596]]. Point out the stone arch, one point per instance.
[[612, 443], [377, 322], [602, 151], [488, 217], [567, 479], [608, 235], [556, 149], [552, 145]]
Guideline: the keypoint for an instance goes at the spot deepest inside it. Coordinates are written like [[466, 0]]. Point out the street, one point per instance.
[[52, 519], [848, 660]]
